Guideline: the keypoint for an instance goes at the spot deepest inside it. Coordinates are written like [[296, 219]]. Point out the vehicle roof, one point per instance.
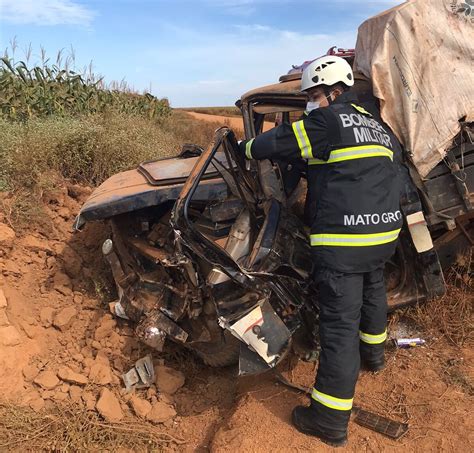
[[291, 87]]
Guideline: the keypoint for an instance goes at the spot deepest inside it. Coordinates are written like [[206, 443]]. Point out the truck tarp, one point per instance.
[[420, 58]]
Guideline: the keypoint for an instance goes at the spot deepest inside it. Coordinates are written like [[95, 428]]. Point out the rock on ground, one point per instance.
[[75, 393], [30, 372], [34, 400], [67, 375], [108, 406], [160, 412], [9, 336], [102, 357], [37, 405], [36, 244], [7, 236], [105, 328], [64, 318], [47, 380], [59, 396], [168, 380], [30, 330], [62, 283], [47, 316], [140, 407], [100, 374]]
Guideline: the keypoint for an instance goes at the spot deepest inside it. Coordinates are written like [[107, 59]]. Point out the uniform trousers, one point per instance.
[[352, 325]]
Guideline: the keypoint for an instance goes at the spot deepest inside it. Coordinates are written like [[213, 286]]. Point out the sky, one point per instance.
[[193, 52]]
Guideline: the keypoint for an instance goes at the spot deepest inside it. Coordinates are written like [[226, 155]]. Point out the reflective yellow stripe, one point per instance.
[[355, 152], [248, 149], [354, 240], [331, 401], [361, 109], [372, 339], [303, 140]]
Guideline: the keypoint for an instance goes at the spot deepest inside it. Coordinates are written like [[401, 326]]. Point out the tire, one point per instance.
[[224, 352]]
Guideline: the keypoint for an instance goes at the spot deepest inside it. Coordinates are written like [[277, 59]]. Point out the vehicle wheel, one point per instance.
[[223, 352]]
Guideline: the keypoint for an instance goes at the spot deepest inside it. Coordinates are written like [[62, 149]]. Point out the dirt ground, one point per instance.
[[60, 346]]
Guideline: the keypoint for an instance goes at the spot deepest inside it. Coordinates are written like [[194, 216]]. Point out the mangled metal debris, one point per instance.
[[142, 375], [264, 333], [117, 310], [155, 327]]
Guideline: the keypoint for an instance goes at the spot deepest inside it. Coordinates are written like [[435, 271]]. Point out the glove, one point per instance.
[[242, 144]]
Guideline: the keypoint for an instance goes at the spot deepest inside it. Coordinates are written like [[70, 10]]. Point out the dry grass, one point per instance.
[[89, 149], [35, 156], [455, 373], [186, 129], [450, 316], [72, 429], [21, 209]]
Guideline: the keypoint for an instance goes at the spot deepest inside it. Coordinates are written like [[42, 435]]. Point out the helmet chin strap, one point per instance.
[[327, 93]]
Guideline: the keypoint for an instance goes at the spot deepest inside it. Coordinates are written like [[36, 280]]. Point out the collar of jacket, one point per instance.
[[347, 96]]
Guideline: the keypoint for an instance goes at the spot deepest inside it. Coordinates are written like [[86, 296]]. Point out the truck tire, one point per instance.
[[221, 353]]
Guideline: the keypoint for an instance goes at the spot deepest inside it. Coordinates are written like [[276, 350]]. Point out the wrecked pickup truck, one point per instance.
[[205, 252], [207, 249], [211, 252]]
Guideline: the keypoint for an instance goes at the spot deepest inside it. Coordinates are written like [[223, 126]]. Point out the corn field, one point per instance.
[[40, 91]]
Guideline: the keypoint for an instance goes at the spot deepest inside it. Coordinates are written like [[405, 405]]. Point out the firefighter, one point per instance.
[[353, 196]]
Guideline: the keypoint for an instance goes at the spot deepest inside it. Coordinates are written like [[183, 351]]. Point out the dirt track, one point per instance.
[[232, 122], [54, 315]]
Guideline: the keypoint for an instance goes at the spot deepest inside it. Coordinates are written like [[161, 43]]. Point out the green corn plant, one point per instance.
[[55, 89]]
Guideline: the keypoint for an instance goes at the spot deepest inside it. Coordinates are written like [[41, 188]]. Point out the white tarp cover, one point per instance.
[[420, 58]]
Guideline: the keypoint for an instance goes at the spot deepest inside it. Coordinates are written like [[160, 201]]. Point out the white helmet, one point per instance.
[[327, 70]]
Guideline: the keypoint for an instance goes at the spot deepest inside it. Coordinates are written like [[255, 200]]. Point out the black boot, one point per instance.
[[305, 420], [372, 357], [373, 365]]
